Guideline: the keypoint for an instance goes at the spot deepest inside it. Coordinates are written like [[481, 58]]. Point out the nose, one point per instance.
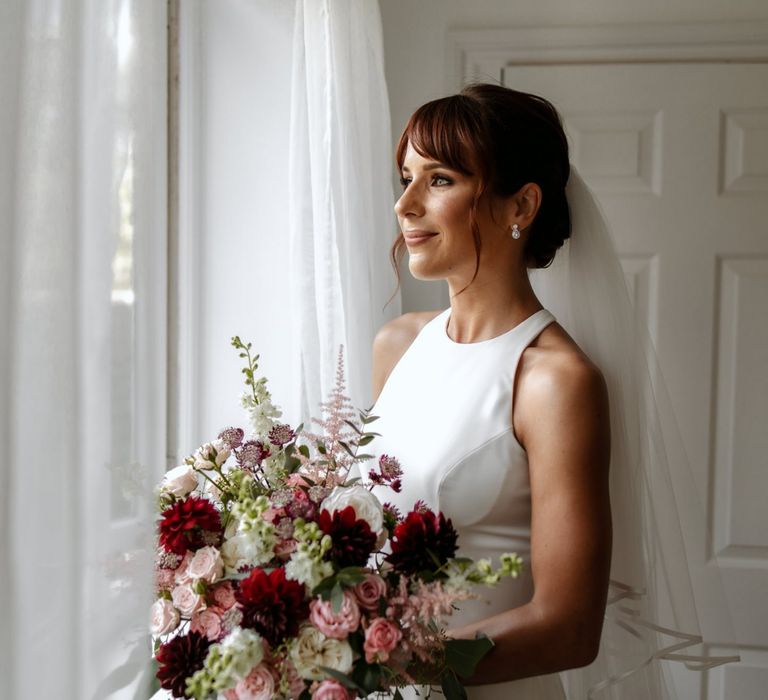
[[410, 203]]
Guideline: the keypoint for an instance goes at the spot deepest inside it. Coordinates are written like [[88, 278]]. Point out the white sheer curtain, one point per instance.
[[340, 206], [82, 277]]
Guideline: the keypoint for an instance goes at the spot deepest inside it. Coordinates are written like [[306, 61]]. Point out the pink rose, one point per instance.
[[370, 591], [164, 617], [381, 637], [186, 600], [206, 564], [331, 690], [296, 480], [207, 622], [223, 595], [259, 684], [181, 575], [335, 625]]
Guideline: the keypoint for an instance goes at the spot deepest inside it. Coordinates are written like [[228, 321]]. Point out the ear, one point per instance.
[[525, 205]]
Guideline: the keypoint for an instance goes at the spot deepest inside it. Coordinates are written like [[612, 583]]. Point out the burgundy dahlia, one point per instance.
[[178, 659], [418, 538], [353, 540], [189, 524], [271, 604]]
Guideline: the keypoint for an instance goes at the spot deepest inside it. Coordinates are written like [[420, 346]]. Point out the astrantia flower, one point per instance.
[[184, 525], [178, 659], [418, 538], [353, 540], [281, 434], [232, 437], [271, 604], [251, 454]]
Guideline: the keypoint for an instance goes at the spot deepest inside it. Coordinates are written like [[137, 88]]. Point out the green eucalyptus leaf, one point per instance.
[[337, 598], [304, 450], [365, 440], [353, 426]]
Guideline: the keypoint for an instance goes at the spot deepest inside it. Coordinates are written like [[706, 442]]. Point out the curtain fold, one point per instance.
[[82, 136], [341, 218]]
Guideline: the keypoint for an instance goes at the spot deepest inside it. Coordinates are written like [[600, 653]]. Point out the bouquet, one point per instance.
[[279, 574]]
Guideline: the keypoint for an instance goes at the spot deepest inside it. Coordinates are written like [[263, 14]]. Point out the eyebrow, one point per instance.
[[431, 166]]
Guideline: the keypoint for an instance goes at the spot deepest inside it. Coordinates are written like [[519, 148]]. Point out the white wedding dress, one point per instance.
[[445, 414]]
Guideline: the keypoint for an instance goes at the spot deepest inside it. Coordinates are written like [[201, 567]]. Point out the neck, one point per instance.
[[490, 306]]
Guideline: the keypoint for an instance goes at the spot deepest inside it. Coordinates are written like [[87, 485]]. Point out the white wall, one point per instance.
[[418, 68]]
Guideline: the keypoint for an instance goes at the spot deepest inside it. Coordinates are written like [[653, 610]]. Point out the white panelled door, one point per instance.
[[677, 153]]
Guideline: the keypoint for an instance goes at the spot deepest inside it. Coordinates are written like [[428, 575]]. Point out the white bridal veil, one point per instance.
[[658, 519]]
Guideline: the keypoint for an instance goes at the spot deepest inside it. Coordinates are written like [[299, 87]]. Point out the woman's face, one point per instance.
[[436, 200]]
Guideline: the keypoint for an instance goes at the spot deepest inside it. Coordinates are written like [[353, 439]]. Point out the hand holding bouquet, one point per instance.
[[279, 575]]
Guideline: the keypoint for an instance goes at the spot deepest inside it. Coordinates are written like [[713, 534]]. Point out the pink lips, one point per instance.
[[415, 236]]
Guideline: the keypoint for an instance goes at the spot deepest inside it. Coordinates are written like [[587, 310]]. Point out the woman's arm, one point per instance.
[[561, 418]]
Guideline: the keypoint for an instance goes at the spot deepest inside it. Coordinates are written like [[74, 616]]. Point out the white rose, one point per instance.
[[247, 650], [187, 601], [222, 451], [247, 549], [312, 649], [367, 506], [180, 481], [206, 564], [164, 617]]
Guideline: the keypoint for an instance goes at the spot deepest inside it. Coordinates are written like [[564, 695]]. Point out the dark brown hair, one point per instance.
[[508, 138]]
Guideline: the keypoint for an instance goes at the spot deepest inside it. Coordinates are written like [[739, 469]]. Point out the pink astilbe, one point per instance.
[[338, 409], [416, 609]]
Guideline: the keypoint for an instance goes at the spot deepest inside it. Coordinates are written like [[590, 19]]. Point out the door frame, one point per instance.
[[482, 54]]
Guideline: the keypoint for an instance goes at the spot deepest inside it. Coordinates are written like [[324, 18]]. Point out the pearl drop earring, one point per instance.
[[515, 231]]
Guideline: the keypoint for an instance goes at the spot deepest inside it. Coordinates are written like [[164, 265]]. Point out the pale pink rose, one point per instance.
[[206, 564], [186, 600], [335, 625], [370, 591], [180, 481], [223, 595], [259, 684], [208, 623], [381, 637], [164, 618], [181, 574], [331, 690]]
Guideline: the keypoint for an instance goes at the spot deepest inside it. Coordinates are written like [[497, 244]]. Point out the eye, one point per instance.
[[442, 177], [404, 181]]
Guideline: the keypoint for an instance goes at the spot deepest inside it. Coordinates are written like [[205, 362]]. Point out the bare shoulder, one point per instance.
[[556, 378], [391, 342]]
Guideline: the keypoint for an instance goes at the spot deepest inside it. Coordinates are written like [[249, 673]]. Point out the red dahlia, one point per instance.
[[418, 538], [185, 524], [271, 604], [178, 659], [353, 540]]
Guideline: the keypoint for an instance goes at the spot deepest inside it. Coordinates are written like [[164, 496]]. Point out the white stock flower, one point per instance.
[[367, 507], [250, 548], [313, 649], [306, 569], [242, 649]]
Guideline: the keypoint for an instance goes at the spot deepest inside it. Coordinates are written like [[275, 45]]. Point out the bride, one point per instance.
[[525, 438]]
